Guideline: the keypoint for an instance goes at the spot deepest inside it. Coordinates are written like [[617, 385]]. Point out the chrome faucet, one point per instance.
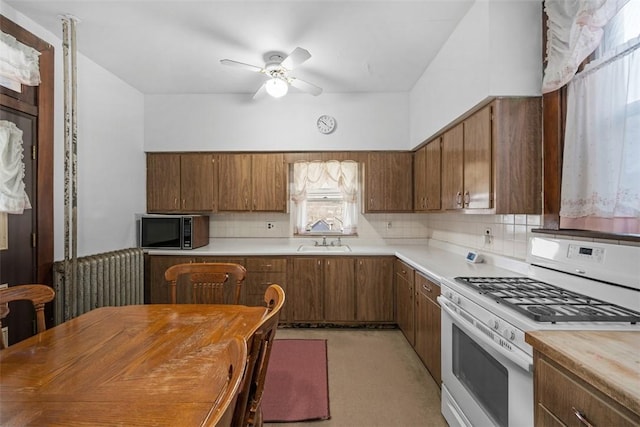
[[324, 240], [337, 244]]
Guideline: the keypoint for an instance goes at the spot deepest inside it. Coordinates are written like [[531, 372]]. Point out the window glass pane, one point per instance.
[[622, 28]]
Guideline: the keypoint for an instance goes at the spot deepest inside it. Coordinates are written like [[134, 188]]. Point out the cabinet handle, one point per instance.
[[459, 199], [581, 417], [467, 199], [184, 203], [175, 202], [426, 288]]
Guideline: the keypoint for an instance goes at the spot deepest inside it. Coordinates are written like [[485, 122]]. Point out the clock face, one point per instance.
[[326, 124]]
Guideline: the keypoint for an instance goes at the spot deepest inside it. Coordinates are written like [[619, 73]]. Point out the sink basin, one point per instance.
[[323, 249]]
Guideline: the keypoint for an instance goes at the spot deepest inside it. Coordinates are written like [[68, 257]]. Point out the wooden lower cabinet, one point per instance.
[[262, 273], [306, 292], [340, 290], [336, 289], [156, 288], [329, 289], [427, 325], [374, 296], [404, 283], [563, 399]]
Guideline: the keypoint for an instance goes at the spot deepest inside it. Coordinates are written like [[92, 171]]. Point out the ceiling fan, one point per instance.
[[277, 68]]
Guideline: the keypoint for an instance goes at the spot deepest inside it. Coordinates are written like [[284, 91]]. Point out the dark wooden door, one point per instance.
[[18, 262]]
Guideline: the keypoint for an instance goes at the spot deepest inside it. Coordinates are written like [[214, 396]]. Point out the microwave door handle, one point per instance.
[[487, 343]]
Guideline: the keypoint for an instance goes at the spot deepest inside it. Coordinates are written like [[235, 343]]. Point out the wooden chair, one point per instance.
[[248, 411], [236, 357], [210, 282], [39, 295]]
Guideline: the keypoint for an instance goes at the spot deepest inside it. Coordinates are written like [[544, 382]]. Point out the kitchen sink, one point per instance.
[[322, 249]]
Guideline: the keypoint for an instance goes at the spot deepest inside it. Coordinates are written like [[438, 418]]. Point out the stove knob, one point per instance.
[[509, 334], [494, 323]]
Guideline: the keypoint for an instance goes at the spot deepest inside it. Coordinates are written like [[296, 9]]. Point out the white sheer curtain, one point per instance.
[[601, 165], [331, 174], [13, 197], [574, 31], [18, 62]]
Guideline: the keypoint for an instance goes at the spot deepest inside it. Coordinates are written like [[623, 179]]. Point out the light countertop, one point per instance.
[[432, 258]]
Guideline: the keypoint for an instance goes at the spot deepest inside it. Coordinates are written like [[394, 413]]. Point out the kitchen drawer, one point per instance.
[[267, 264], [404, 270], [427, 287], [562, 395]]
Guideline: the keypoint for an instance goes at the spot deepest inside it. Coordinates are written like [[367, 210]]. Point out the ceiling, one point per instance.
[[175, 46]]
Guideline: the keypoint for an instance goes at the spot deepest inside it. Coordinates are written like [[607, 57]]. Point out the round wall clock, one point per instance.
[[326, 124]]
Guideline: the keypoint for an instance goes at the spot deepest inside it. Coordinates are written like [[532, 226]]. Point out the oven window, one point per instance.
[[485, 378]]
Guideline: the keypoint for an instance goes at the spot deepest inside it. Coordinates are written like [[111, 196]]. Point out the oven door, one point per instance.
[[483, 384]]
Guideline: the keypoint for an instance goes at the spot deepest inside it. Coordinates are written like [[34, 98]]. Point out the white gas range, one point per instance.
[[486, 364]]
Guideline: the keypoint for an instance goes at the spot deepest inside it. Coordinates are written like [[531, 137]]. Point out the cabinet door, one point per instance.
[[197, 184], [340, 289], [374, 298], [432, 179], [477, 160], [389, 182], [262, 273], [234, 182], [163, 182], [307, 290], [452, 168], [404, 276], [375, 182], [428, 325], [269, 187], [157, 288], [420, 180]]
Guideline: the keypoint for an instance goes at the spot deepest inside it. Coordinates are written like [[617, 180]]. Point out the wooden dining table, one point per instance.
[[129, 366]]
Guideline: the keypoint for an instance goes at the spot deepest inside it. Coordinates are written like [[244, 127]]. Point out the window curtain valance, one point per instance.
[[574, 31], [308, 176], [13, 197], [316, 175], [18, 62]]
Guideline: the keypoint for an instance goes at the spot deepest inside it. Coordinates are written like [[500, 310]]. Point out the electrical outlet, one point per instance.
[[389, 225], [271, 225], [488, 236]]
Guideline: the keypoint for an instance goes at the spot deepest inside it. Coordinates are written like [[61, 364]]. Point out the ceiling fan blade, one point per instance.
[[242, 65], [262, 91], [305, 86], [295, 58]]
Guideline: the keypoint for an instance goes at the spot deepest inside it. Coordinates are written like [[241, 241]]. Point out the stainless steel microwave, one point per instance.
[[172, 231]]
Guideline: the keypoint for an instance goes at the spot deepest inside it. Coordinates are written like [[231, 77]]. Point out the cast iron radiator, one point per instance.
[[107, 279]]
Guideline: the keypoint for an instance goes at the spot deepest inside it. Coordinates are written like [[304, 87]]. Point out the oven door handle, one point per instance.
[[486, 342]]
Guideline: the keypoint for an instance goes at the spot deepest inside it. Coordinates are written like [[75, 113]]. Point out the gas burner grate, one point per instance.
[[543, 302]]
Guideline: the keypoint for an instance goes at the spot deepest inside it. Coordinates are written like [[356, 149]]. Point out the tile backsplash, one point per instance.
[[509, 234]]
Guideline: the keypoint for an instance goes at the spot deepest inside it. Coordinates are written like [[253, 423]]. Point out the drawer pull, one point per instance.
[[426, 288], [580, 416]]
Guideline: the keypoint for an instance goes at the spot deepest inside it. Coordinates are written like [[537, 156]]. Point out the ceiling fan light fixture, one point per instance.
[[277, 87]]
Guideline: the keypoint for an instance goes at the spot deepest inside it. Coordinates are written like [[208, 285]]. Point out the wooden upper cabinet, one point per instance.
[[452, 167], [389, 182], [234, 182], [269, 183], [491, 161], [181, 182], [477, 160], [426, 177], [252, 182], [197, 182]]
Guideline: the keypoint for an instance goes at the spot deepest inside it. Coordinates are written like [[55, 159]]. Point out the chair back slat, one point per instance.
[[38, 294], [205, 283]]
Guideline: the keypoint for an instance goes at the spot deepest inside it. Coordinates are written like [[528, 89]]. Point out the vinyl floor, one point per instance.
[[375, 379]]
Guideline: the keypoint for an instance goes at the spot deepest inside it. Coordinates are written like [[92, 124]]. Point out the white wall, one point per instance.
[[378, 121], [111, 173], [496, 49]]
